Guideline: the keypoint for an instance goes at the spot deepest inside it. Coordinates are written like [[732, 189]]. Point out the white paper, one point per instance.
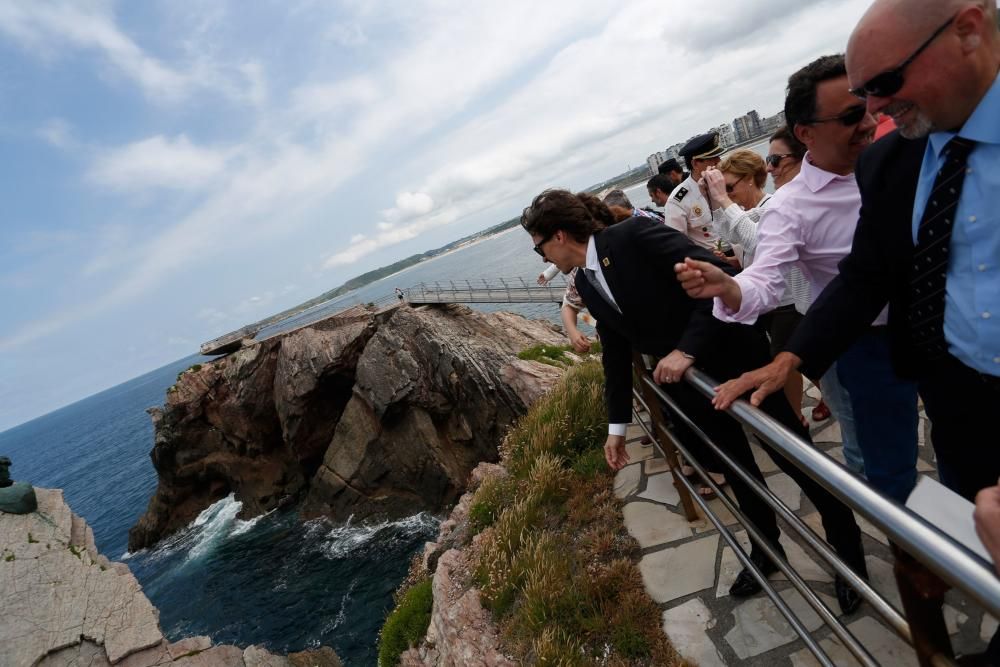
[[948, 512]]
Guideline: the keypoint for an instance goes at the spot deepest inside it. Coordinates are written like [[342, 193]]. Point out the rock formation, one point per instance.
[[65, 604], [379, 414]]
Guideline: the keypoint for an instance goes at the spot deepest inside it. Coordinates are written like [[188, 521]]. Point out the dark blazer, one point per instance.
[[657, 316], [877, 271]]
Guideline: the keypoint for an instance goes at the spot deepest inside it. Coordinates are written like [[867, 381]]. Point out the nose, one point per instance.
[[875, 104]]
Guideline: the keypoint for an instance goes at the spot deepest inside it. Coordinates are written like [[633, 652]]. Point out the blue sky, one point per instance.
[[173, 170]]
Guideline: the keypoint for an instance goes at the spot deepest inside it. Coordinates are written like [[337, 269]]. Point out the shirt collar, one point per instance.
[[593, 263], [981, 127], [815, 178]]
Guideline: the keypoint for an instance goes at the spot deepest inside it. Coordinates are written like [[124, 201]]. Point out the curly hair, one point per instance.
[[743, 163], [580, 215]]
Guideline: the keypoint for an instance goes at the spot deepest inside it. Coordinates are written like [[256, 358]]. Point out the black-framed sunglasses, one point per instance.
[[730, 188], [890, 81], [774, 159], [850, 117], [538, 246]]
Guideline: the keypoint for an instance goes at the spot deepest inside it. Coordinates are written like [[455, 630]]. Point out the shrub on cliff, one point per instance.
[[407, 624], [554, 562]]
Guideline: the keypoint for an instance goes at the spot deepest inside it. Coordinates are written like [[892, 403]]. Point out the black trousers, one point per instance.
[[960, 403], [842, 531]]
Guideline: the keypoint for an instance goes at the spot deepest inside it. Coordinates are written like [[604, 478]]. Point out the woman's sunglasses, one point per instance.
[[731, 187], [889, 82]]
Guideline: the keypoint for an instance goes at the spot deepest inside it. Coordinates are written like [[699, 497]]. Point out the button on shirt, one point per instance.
[[809, 224], [972, 292]]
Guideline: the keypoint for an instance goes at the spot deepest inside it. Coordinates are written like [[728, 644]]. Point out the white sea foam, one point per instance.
[[214, 523], [345, 539]]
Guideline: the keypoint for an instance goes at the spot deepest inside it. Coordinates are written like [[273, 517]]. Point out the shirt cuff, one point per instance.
[[617, 429], [745, 315]]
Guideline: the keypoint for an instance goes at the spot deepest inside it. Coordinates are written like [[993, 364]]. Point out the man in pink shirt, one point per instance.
[[810, 224]]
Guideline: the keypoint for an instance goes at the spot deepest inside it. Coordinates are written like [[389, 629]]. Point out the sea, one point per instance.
[[273, 580]]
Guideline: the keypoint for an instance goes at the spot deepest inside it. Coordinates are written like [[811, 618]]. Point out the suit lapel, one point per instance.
[[609, 267]]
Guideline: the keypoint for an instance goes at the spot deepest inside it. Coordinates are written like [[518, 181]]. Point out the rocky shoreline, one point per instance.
[[66, 604], [377, 416]]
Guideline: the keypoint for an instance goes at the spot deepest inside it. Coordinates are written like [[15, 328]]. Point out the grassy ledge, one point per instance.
[[407, 624], [553, 561]]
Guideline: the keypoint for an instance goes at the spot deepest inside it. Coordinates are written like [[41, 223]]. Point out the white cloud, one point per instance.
[[57, 133], [158, 162]]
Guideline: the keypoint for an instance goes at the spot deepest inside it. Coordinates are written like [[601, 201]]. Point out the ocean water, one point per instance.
[[273, 580]]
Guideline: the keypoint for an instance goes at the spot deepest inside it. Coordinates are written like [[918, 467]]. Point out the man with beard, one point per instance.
[[928, 242]]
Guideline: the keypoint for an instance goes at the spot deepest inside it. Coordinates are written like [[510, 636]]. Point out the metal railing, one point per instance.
[[928, 561], [497, 290]]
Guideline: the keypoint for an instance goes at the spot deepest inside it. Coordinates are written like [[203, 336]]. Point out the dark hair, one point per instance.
[[669, 166], [800, 96], [620, 212], [580, 215], [617, 198], [797, 147], [660, 182], [687, 162]]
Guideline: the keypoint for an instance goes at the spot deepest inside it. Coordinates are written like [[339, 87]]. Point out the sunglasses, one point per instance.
[[774, 159], [538, 246], [730, 188], [850, 117], [890, 81]]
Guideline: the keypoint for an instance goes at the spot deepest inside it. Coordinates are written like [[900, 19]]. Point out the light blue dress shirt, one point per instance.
[[972, 297]]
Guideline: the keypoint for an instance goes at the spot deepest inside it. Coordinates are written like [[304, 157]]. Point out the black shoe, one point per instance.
[[848, 598], [746, 584]]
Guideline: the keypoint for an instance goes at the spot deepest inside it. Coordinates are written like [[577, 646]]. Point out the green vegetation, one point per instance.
[[76, 551], [9, 557], [31, 539], [553, 355], [407, 624], [554, 562]]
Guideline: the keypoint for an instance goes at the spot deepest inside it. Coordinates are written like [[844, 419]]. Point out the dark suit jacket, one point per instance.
[[877, 270], [657, 316]]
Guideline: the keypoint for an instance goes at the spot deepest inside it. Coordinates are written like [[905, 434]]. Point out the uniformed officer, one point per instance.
[[687, 211]]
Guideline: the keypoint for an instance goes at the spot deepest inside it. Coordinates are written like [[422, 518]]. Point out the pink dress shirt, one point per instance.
[[809, 224]]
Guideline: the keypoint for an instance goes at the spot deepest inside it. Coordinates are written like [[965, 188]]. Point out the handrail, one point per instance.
[[926, 557], [938, 551]]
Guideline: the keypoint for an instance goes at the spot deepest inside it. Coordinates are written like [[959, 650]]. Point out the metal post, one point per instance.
[[652, 404]]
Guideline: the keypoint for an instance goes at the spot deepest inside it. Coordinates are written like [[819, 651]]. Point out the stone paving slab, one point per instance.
[[688, 569]]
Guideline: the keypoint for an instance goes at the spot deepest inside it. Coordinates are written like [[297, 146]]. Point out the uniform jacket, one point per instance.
[[877, 270]]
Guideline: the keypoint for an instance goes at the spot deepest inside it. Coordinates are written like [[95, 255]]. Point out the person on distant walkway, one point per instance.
[[687, 210], [736, 188], [626, 279], [810, 223], [672, 170], [399, 294], [928, 242]]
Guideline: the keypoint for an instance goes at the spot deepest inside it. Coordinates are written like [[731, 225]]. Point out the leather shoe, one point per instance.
[[847, 597], [820, 412], [746, 584]]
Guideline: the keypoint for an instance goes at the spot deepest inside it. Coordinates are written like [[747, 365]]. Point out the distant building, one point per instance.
[[727, 137]]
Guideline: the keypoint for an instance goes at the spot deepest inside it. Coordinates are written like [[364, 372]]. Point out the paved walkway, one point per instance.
[[688, 568]]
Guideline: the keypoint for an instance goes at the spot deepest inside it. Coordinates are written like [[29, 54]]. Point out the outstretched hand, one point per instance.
[[614, 452], [765, 381], [703, 280]]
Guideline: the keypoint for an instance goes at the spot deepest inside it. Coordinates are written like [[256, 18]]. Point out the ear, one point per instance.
[[803, 133], [968, 26]]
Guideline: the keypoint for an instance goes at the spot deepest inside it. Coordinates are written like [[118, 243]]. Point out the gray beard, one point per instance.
[[917, 128]]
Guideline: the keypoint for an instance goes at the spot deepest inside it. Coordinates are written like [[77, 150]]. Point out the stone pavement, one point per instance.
[[688, 568]]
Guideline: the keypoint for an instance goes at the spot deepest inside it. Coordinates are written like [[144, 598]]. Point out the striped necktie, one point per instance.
[[930, 256]]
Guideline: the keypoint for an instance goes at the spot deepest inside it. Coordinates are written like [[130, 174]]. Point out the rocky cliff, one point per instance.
[[65, 604], [379, 414]]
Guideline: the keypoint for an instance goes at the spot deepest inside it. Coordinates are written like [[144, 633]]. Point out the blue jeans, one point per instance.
[[839, 402], [885, 414]]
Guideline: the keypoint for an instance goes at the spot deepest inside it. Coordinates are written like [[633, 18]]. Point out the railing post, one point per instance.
[[669, 449], [922, 593]]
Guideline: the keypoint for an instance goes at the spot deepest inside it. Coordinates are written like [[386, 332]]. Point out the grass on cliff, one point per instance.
[[407, 624], [554, 563], [554, 355]]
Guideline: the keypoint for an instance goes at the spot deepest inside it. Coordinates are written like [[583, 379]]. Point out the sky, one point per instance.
[[172, 171]]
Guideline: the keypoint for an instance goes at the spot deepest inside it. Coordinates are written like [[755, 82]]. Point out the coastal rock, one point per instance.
[[65, 604], [18, 498], [378, 414]]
